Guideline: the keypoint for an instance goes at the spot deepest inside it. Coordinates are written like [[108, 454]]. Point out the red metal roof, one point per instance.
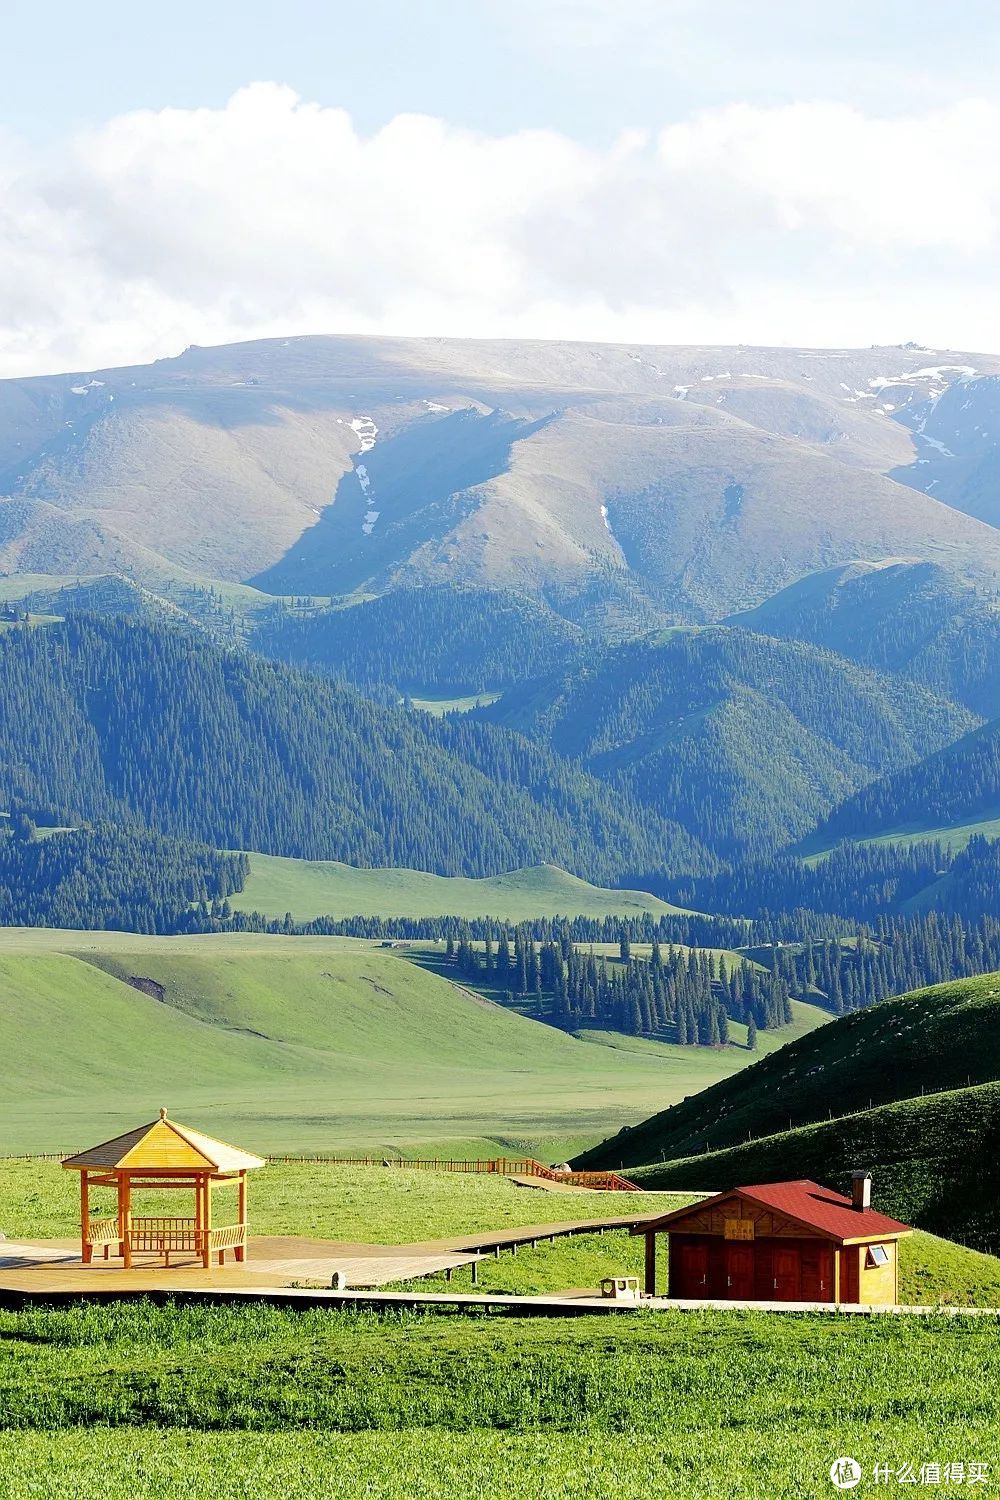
[[816, 1207]]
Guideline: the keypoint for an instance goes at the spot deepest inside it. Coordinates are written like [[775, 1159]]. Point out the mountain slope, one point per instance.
[[940, 1038], [325, 465], [957, 785], [957, 434], [743, 739], [131, 722], [914, 619], [440, 640]]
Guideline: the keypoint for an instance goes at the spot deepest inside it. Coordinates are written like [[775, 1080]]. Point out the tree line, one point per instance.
[[687, 997], [122, 879]]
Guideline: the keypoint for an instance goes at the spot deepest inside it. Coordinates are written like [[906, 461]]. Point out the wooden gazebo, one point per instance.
[[164, 1154]]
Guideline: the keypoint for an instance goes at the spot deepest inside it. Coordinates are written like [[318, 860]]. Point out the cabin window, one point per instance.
[[877, 1255]]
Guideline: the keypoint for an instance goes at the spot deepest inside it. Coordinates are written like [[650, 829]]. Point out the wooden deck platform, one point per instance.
[[53, 1269]]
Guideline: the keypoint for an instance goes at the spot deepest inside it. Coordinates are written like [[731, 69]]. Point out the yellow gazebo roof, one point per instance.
[[165, 1146]]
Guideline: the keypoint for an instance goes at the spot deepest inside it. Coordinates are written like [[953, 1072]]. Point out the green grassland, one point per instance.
[[132, 1401], [713, 1404], [398, 1205], [293, 1044], [385, 1205], [324, 888]]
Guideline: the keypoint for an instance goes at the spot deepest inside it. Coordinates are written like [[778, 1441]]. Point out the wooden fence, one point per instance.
[[503, 1166]]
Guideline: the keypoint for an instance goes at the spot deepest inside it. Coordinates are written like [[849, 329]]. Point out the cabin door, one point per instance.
[[739, 1272], [817, 1274], [786, 1274], [692, 1271]]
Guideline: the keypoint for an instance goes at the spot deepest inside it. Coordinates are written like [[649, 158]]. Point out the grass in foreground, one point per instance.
[[137, 1464], [132, 1400]]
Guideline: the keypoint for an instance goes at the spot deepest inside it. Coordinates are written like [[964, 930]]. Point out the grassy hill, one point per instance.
[[300, 1044], [314, 888], [934, 1159], [946, 1037]]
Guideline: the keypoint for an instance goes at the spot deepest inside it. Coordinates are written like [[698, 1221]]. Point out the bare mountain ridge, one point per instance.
[[701, 479]]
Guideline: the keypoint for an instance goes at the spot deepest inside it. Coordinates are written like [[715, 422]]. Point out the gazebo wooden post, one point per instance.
[[207, 1259], [87, 1248], [650, 1263], [125, 1217], [241, 1250]]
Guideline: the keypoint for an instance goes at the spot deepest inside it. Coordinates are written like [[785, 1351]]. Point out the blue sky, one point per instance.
[[639, 170], [586, 67]]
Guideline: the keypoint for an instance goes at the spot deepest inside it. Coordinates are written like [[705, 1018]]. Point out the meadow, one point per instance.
[[324, 888], [136, 1401], [304, 1045], [397, 1205]]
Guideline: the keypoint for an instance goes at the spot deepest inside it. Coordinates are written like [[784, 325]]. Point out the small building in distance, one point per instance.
[[780, 1242]]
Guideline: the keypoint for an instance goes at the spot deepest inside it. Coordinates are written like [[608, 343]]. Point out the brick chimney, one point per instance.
[[861, 1190]]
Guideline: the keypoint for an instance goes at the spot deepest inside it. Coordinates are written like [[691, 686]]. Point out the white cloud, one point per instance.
[[805, 223]]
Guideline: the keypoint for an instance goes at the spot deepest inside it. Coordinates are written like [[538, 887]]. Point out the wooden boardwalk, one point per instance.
[[48, 1269]]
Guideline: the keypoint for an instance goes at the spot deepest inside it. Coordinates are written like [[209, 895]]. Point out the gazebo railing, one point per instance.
[[162, 1234]]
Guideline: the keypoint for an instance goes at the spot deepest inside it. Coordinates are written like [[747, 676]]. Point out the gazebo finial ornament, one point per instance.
[[163, 1113]]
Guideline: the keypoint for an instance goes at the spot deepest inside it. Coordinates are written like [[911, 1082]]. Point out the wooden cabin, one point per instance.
[[780, 1242], [162, 1155]]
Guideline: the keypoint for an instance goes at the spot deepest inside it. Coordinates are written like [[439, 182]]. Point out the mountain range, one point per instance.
[[689, 483], [688, 615]]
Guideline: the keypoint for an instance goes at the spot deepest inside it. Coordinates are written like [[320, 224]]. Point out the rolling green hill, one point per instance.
[[935, 1161], [299, 1044], [315, 888], [946, 1037]]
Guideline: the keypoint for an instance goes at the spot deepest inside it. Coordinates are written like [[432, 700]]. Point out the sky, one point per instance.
[[651, 171]]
